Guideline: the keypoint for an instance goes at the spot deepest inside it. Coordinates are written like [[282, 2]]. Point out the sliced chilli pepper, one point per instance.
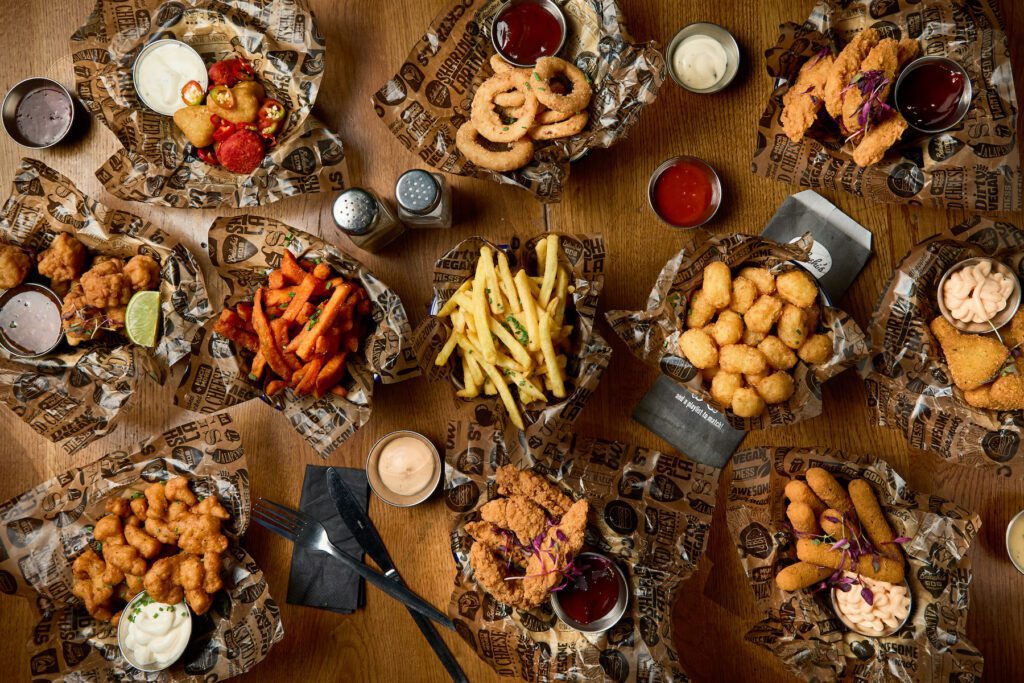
[[223, 96], [192, 93], [207, 155], [271, 110], [223, 131], [268, 129]]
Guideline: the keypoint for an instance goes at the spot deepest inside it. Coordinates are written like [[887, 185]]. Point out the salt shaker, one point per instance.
[[366, 219], [424, 199]]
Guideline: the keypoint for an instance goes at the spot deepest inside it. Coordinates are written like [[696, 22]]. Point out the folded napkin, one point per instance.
[[318, 580]]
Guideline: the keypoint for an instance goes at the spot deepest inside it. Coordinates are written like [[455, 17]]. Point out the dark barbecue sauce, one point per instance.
[[594, 593], [30, 323], [526, 32], [43, 116], [930, 94]]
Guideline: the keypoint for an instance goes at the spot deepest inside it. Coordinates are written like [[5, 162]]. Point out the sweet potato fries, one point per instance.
[[303, 325]]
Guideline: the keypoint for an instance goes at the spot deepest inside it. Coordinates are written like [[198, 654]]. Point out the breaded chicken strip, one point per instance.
[[804, 99], [973, 360], [490, 571], [500, 541], [514, 482], [560, 545], [1006, 393], [1013, 334], [518, 514], [880, 137], [873, 82], [846, 65]]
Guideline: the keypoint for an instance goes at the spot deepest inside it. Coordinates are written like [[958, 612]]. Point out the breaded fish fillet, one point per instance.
[[846, 65], [973, 360], [804, 99]]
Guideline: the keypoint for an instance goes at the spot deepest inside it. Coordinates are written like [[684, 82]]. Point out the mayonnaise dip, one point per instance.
[[406, 465], [162, 70], [699, 62], [153, 635]]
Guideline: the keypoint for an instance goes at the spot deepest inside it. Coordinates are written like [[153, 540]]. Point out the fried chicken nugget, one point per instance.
[[700, 312], [94, 582], [725, 385], [105, 285], [829, 490], [799, 492], [143, 272], [973, 360], [64, 261], [763, 314], [761, 277], [518, 514], [742, 359], [802, 517], [776, 388], [177, 489], [744, 293], [816, 350], [140, 506], [512, 481], [728, 329], [108, 530], [699, 348], [146, 544], [880, 137], [797, 287], [717, 285], [161, 581], [118, 506], [845, 66], [156, 500], [125, 558], [801, 575], [747, 403], [804, 99], [792, 327], [15, 266], [872, 519], [778, 355]]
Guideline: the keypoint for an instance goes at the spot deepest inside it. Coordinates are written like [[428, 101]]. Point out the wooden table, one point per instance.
[[606, 194]]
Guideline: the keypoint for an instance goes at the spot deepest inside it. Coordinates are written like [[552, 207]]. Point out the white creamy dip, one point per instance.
[[162, 71], [406, 465], [154, 634], [699, 62]]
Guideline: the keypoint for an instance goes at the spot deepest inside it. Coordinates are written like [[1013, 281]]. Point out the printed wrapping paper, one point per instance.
[[908, 381], [157, 165], [650, 512], [975, 166], [243, 249], [653, 334], [48, 526], [424, 104], [801, 628], [584, 257], [72, 397]]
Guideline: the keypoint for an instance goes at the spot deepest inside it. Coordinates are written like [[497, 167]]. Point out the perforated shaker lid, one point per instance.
[[355, 211], [417, 191]]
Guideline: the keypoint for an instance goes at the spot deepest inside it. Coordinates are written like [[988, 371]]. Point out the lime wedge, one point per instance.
[[142, 319]]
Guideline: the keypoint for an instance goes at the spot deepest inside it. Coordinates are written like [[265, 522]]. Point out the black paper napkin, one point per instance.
[[318, 580]]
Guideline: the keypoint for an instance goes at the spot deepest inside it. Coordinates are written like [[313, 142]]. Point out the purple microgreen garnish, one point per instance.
[[868, 596], [841, 544], [560, 535], [832, 519], [876, 563], [901, 539]]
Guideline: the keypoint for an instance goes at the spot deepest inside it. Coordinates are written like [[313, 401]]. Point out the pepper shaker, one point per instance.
[[424, 199], [366, 219]]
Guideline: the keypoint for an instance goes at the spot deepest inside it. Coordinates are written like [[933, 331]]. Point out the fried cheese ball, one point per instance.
[[816, 350], [741, 359], [699, 348], [105, 285], [779, 356], [14, 266], [746, 402], [728, 329], [797, 287], [792, 327], [763, 314], [744, 294], [717, 285], [762, 279], [143, 272], [64, 261], [700, 311], [777, 387], [751, 338], [724, 386]]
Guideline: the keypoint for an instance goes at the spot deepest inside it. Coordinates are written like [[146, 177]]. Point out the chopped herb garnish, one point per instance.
[[14, 324], [137, 495], [518, 330]]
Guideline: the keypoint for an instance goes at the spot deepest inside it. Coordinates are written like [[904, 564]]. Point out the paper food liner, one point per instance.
[[650, 512], [73, 396], [975, 166], [243, 249], [801, 628], [282, 43], [653, 334], [908, 381], [584, 257], [426, 102], [51, 524]]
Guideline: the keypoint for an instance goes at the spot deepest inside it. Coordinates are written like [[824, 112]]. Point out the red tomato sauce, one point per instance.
[[683, 194], [594, 593], [527, 32]]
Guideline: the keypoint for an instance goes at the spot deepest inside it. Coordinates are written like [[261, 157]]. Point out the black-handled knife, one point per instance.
[[366, 535]]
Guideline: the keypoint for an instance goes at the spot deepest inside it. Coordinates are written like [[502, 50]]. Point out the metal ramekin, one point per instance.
[[13, 98], [608, 620], [716, 189], [1004, 316], [724, 38], [551, 7], [50, 294], [963, 106], [1017, 519], [889, 632], [122, 626], [386, 494], [203, 81]]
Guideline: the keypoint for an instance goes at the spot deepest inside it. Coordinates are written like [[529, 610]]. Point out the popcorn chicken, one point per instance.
[[143, 272]]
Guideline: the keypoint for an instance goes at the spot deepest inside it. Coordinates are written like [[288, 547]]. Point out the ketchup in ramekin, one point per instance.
[[685, 192], [526, 30]]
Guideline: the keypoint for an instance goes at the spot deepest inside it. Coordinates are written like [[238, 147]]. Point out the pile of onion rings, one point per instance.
[[515, 107]]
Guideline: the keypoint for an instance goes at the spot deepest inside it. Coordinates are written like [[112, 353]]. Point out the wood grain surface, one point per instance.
[[366, 42]]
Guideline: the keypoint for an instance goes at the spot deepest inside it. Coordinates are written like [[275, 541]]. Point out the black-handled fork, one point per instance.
[[301, 529]]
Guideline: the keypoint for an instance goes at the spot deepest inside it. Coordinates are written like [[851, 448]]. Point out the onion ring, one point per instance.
[[498, 64], [562, 129], [488, 122], [540, 84], [517, 156], [549, 116], [510, 99]]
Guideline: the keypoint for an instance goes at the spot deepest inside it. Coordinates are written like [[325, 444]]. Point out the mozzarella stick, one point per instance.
[[802, 517], [872, 519], [801, 575], [836, 529], [822, 555], [829, 490], [799, 492]]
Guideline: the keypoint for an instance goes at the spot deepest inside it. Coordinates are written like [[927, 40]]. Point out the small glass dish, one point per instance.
[[202, 78], [1017, 521], [21, 90], [724, 38], [125, 622], [383, 492], [27, 289], [888, 632], [1001, 318]]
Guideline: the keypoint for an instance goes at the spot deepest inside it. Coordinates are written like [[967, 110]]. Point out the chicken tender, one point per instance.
[[15, 266], [816, 350], [744, 293], [741, 359], [973, 360], [761, 277], [776, 388], [792, 327], [490, 571], [64, 261], [1006, 393], [805, 97], [105, 285], [717, 286], [797, 287], [728, 329], [518, 514], [700, 312], [724, 386], [562, 541], [779, 356], [874, 79], [845, 66], [512, 481], [143, 272], [880, 137], [747, 403], [699, 348], [763, 314], [196, 124]]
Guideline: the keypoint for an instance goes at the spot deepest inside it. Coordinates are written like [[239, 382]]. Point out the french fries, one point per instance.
[[302, 326], [507, 330]]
